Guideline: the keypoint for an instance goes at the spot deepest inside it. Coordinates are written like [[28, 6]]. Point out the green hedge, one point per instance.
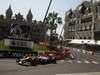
[[1, 44], [38, 47]]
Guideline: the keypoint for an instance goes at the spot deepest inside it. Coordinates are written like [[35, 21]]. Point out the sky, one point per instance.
[[39, 7]]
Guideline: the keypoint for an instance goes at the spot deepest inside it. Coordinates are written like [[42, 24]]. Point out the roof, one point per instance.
[[82, 41]]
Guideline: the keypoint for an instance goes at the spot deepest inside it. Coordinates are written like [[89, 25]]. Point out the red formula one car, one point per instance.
[[64, 53]]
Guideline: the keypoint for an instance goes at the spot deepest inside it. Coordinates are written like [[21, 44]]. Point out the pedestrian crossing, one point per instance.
[[83, 61], [95, 62], [82, 56], [79, 61], [81, 51], [87, 62]]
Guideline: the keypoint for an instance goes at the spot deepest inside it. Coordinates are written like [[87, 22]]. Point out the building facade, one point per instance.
[[7, 23], [83, 22]]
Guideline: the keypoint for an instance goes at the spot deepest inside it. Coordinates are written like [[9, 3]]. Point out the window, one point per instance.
[[90, 27], [89, 9], [96, 9], [81, 28], [89, 19], [94, 26], [89, 37], [84, 37], [72, 23], [13, 43], [85, 27], [80, 37]]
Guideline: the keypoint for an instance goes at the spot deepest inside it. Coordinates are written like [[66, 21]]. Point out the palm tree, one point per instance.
[[53, 21]]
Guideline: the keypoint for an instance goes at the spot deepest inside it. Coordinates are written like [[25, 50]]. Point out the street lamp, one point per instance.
[[61, 42]]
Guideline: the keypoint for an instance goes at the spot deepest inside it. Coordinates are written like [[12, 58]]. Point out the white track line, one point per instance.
[[79, 62], [91, 73], [94, 62], [87, 62], [69, 61]]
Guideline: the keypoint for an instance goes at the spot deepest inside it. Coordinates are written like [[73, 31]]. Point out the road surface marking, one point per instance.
[[87, 62], [94, 62], [61, 61], [69, 61], [79, 61], [83, 51], [91, 73], [78, 50]]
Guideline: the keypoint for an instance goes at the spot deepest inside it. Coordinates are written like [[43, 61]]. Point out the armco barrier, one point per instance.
[[14, 54]]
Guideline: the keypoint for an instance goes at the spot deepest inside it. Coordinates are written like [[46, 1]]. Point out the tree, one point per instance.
[[53, 21], [36, 30], [1, 19], [4, 28]]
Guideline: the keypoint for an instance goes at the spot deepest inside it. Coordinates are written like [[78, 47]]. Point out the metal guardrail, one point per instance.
[[7, 53]]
